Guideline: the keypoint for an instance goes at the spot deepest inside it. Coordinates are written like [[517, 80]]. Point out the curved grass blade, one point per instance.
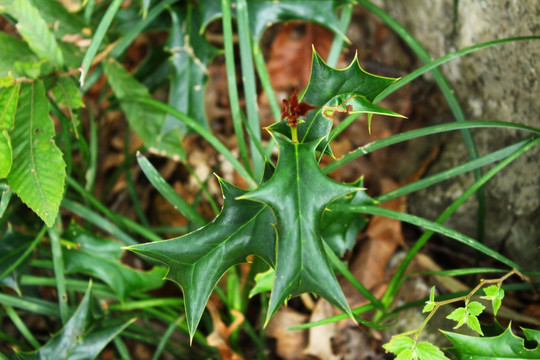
[[356, 311], [168, 192], [98, 38], [430, 130], [207, 135]]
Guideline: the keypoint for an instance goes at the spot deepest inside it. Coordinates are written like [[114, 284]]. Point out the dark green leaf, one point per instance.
[[350, 89], [100, 258], [57, 16], [505, 346], [12, 246], [190, 56], [298, 194], [35, 31], [199, 259], [146, 121], [38, 172], [340, 228], [80, 338]]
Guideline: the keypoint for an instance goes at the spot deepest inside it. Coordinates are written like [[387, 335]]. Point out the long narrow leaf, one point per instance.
[[98, 38], [168, 192]]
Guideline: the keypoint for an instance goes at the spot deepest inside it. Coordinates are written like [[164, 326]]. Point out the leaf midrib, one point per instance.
[[32, 156]]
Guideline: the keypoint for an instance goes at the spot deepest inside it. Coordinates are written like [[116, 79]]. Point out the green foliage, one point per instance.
[[430, 304], [406, 349], [504, 346], [38, 172], [495, 294], [83, 337], [468, 315]]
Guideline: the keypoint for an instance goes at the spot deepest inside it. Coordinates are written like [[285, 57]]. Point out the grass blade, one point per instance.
[[25, 254], [98, 38], [207, 135], [29, 304], [337, 43], [19, 324], [58, 263], [260, 66], [165, 337], [450, 173], [430, 130], [168, 192]]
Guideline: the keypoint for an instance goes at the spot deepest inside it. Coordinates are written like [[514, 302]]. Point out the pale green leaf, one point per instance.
[[35, 31], [399, 344], [8, 105], [495, 294], [7, 81], [67, 93], [146, 121], [406, 355], [428, 351], [6, 154], [38, 172], [14, 52], [475, 308], [458, 314], [263, 282], [430, 304], [504, 346], [474, 324]]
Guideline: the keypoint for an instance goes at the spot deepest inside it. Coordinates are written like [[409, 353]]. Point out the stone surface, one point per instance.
[[498, 83]]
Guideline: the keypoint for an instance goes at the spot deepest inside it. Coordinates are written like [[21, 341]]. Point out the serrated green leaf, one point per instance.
[[495, 294], [199, 259], [340, 228], [35, 31], [100, 258], [458, 314], [406, 355], [298, 194], [55, 14], [8, 105], [147, 122], [475, 308], [399, 344], [191, 54], [505, 346], [474, 324], [14, 51], [6, 154], [38, 172], [331, 89], [67, 93], [80, 338], [428, 351]]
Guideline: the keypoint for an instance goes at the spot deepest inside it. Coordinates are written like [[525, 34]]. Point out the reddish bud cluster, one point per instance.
[[292, 110]]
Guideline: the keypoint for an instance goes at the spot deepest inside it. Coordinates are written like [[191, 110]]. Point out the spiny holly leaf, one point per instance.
[[92, 255], [349, 90], [495, 294], [38, 172], [198, 260], [81, 337], [145, 121], [191, 54], [298, 194], [263, 13], [468, 315], [505, 346]]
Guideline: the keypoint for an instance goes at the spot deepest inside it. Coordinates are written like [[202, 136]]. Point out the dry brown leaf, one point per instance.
[[290, 345], [219, 337], [320, 337]]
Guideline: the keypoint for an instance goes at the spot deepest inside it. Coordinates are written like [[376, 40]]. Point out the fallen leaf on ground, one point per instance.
[[290, 345], [219, 337]]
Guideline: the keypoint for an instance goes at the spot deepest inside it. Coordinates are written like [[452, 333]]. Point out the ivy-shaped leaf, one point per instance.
[[191, 54], [198, 260], [145, 121], [495, 294], [349, 90], [468, 315], [298, 193], [91, 255], [35, 31], [80, 338], [38, 172], [504, 346]]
